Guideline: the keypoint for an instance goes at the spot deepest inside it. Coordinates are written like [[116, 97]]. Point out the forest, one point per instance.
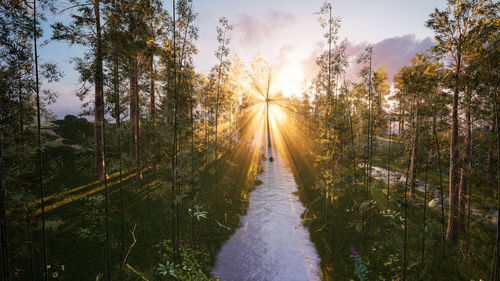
[[168, 172]]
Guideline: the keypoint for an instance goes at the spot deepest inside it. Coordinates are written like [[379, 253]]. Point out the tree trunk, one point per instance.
[[465, 172], [401, 122], [495, 272], [205, 124], [414, 151], [490, 177], [116, 91], [135, 115], [3, 221], [98, 107], [137, 125], [216, 144], [451, 233], [152, 109], [99, 127], [133, 107], [39, 150]]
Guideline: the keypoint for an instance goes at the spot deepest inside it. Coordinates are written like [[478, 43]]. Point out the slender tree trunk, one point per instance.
[[370, 138], [116, 89], [469, 199], [205, 124], [230, 135], [98, 102], [389, 162], [39, 149], [133, 106], [99, 135], [405, 204], [465, 172], [3, 221], [30, 244], [137, 127], [99, 150], [28, 215], [414, 152], [496, 256], [438, 150], [21, 119], [135, 120], [153, 109], [422, 257], [353, 147], [451, 233], [193, 241], [401, 121], [490, 176], [174, 139], [217, 119], [216, 144], [116, 92], [329, 189]]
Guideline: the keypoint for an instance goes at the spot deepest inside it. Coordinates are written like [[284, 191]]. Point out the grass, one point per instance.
[[383, 254], [75, 219], [74, 205]]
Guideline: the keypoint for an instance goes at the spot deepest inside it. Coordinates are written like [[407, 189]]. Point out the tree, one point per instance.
[[222, 70], [144, 25], [415, 82], [332, 64], [457, 28], [85, 29]]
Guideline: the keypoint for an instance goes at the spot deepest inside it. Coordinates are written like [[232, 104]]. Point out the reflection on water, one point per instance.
[[271, 243]]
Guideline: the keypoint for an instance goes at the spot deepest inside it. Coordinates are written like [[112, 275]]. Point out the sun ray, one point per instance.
[[268, 118]]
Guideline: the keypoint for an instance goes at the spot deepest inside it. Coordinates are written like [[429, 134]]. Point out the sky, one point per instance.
[[286, 32]]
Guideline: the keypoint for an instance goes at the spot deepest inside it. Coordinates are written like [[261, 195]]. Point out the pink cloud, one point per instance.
[[309, 66], [252, 30], [283, 55], [392, 53]]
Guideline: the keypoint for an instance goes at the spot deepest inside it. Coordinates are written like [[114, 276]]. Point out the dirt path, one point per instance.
[[399, 178]]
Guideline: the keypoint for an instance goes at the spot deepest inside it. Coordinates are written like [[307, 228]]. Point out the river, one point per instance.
[[271, 243]]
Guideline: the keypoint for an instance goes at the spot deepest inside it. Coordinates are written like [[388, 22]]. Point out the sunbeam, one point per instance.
[[269, 120]]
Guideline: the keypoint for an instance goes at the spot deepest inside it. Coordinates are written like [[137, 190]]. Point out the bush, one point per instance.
[[192, 265]]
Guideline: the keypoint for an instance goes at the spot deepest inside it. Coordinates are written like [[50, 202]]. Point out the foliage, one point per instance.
[[190, 266], [360, 268]]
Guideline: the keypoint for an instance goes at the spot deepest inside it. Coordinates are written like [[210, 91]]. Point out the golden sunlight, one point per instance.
[[269, 119], [290, 79]]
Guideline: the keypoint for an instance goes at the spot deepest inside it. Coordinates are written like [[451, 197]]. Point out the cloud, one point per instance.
[[252, 30], [393, 53], [309, 66], [283, 56]]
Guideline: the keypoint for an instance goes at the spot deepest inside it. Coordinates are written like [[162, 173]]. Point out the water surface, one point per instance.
[[271, 243]]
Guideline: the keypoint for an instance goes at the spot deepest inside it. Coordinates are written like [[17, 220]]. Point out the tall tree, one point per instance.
[[416, 81], [141, 45], [456, 29], [85, 29], [222, 70]]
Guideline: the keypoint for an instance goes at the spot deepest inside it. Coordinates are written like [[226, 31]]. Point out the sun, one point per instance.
[[290, 79], [269, 119]]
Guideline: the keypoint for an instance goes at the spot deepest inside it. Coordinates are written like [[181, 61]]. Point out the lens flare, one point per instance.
[[270, 119]]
